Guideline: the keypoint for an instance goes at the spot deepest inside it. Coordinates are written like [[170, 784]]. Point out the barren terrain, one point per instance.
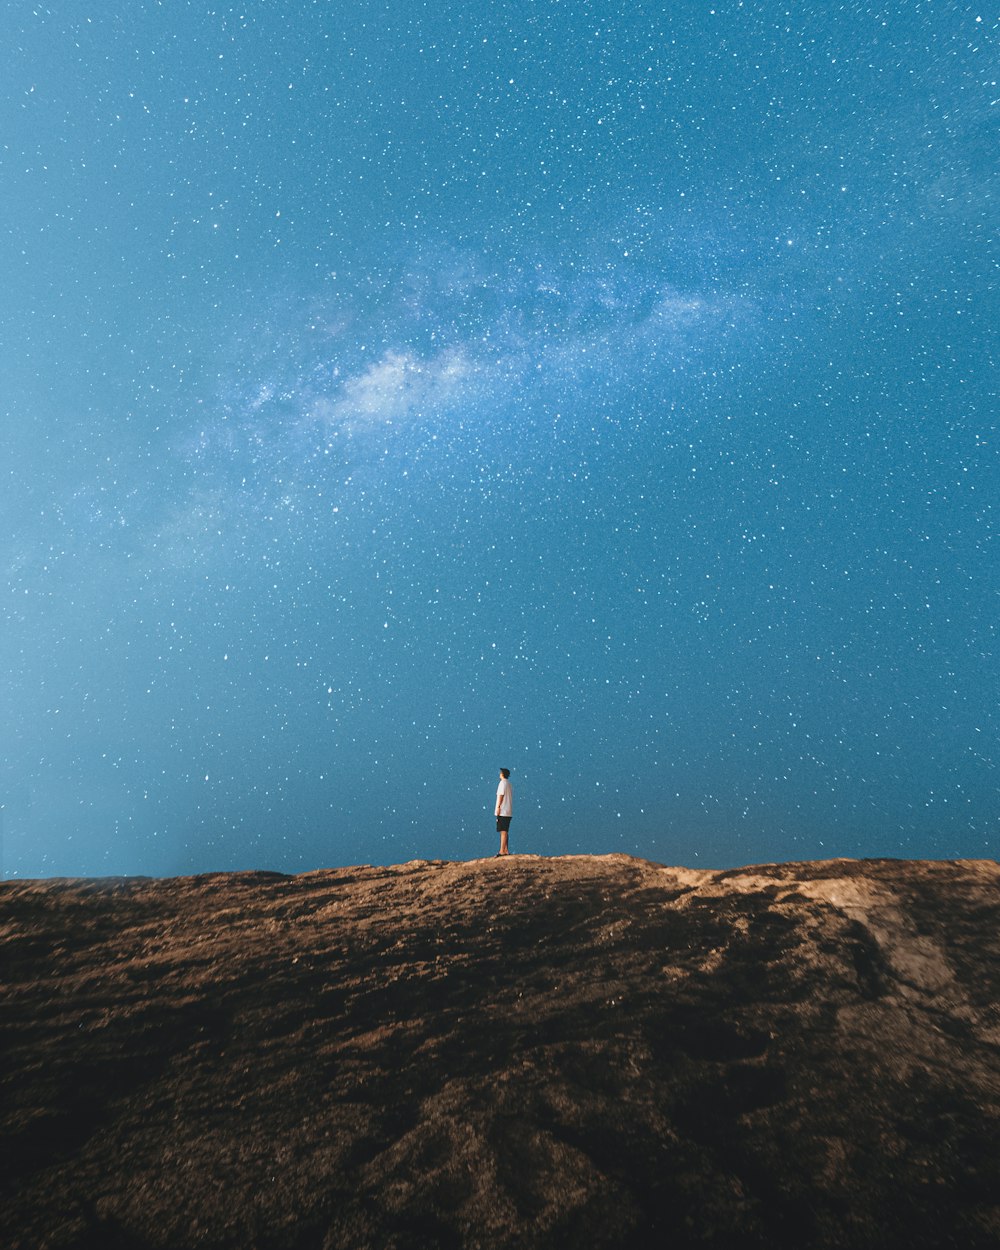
[[582, 1051]]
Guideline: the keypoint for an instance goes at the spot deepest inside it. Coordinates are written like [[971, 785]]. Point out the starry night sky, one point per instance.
[[394, 391]]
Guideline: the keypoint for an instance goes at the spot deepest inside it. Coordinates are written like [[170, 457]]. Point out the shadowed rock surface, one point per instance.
[[591, 1051]]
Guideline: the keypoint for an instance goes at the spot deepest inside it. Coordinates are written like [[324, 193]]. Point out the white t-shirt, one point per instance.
[[505, 797]]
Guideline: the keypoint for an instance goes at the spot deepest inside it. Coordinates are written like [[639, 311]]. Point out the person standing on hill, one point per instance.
[[505, 807]]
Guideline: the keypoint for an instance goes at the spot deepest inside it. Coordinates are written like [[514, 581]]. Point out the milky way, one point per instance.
[[394, 392]]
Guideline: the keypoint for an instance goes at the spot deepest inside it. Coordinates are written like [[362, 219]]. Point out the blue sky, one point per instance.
[[394, 392]]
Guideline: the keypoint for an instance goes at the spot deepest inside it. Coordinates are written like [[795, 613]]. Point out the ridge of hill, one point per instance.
[[525, 1053]]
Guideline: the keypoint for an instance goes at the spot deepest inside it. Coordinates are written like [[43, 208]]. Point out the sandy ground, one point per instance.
[[525, 1053]]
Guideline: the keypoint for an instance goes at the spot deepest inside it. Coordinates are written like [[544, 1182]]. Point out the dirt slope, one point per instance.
[[592, 1051]]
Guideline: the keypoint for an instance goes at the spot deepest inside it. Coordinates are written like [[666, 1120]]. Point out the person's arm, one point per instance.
[[499, 799]]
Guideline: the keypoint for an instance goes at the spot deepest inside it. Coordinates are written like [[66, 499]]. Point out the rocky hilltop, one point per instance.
[[584, 1051]]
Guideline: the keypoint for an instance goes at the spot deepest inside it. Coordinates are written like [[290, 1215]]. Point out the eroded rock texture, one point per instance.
[[594, 1052]]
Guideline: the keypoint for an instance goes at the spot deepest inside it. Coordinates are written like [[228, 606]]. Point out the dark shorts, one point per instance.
[[503, 824]]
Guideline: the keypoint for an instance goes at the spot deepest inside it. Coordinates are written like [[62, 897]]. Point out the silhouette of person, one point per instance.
[[505, 807]]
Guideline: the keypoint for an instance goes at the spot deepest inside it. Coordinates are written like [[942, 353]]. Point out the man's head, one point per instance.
[[505, 773]]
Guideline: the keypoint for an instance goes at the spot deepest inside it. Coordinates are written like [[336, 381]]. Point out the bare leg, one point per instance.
[[503, 842]]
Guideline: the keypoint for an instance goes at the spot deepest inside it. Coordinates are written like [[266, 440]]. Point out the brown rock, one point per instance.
[[591, 1051]]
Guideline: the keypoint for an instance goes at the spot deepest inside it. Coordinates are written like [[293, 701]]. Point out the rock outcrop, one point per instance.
[[583, 1051]]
